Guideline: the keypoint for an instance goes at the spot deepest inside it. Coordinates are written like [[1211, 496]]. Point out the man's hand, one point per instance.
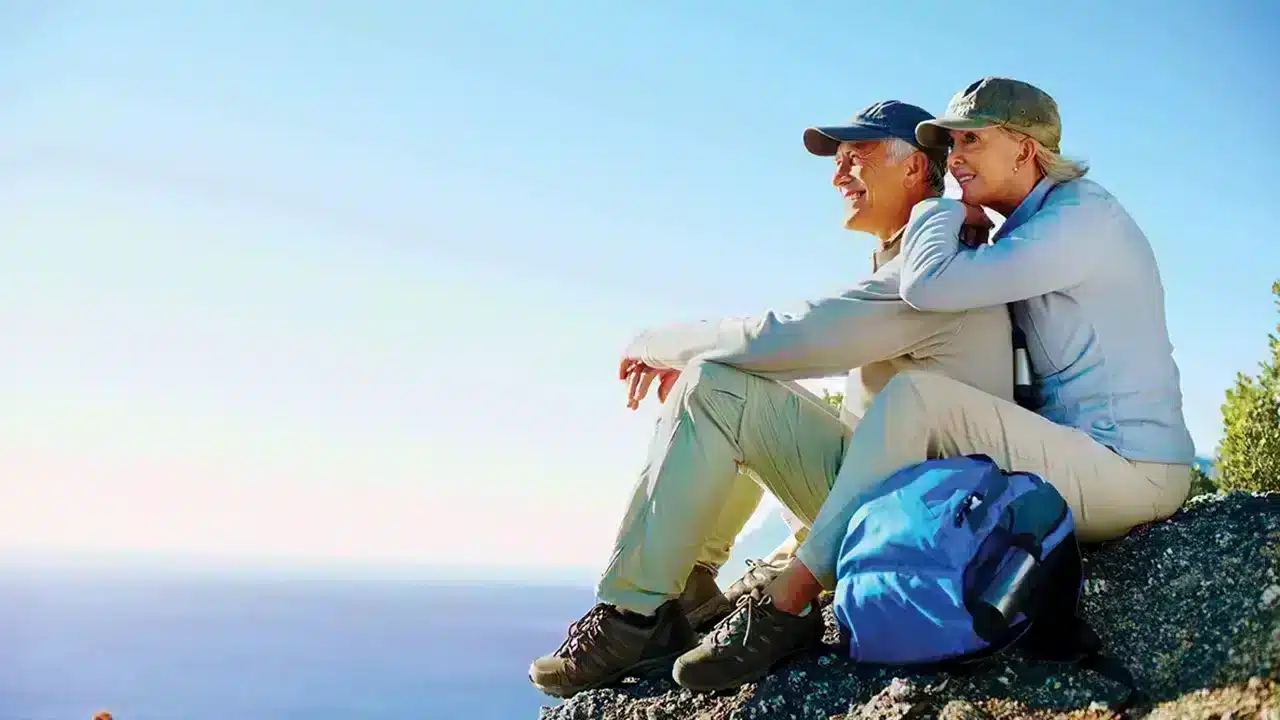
[[639, 377], [976, 228]]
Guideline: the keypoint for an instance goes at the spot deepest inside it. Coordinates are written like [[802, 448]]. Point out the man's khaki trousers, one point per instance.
[[725, 436]]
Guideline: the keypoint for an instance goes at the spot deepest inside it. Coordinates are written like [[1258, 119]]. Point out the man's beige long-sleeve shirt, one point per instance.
[[867, 331]]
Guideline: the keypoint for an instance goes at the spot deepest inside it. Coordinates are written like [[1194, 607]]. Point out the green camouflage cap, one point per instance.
[[996, 101]]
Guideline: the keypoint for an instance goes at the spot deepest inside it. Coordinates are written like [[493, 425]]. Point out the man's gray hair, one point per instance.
[[900, 150]]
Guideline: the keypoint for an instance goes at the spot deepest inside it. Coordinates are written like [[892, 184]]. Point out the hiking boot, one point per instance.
[[607, 645], [759, 573], [703, 603], [747, 645]]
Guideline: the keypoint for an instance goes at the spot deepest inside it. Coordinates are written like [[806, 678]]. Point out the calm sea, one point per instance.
[[219, 644]]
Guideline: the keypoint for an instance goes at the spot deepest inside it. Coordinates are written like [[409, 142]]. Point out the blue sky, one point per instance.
[[352, 283]]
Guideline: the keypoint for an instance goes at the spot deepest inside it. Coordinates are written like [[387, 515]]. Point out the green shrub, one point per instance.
[[1201, 484], [836, 399], [1249, 454]]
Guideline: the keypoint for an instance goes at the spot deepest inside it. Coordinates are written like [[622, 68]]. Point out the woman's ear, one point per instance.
[[1026, 152]]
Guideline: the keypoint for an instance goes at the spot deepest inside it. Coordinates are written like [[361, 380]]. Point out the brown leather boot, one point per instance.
[[607, 645]]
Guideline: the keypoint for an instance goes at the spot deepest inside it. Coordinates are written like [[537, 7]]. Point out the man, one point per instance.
[[734, 424]]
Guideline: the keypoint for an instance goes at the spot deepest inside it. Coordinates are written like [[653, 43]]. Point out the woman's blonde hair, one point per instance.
[[1056, 167]]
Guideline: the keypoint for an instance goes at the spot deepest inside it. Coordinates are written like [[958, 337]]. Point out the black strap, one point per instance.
[[1019, 337], [1114, 670], [1062, 636], [1074, 642]]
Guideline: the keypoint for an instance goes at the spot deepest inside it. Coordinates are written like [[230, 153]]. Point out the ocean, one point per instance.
[[210, 644]]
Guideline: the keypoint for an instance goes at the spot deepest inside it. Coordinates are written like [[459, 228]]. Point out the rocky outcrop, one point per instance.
[[1191, 605]]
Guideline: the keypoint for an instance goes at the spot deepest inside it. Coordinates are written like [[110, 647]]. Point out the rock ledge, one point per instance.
[[1191, 605]]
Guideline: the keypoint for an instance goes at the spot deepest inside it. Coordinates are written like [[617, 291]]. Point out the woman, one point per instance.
[[1084, 286]]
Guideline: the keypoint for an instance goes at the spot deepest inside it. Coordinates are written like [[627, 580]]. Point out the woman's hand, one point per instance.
[[976, 228]]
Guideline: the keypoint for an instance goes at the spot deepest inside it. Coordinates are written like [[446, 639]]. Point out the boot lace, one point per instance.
[[738, 625], [584, 632]]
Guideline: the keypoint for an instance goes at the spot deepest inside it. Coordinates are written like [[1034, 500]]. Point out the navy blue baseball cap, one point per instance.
[[881, 121]]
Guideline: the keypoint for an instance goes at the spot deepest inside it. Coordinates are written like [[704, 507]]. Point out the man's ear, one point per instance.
[[917, 170]]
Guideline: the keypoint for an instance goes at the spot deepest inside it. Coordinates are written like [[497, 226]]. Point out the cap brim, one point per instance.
[[937, 133], [824, 141]]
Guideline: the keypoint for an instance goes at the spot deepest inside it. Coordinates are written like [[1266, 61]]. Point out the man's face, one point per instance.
[[873, 187], [982, 162]]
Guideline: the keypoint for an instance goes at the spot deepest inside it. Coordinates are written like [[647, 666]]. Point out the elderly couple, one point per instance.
[[927, 336]]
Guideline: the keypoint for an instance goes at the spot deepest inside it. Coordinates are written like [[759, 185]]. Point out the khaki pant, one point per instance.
[[691, 499]]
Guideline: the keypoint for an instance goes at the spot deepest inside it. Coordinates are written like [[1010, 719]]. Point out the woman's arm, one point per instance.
[[1056, 248]]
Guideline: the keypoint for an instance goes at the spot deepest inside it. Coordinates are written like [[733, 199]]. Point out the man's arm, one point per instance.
[[1056, 248], [866, 323]]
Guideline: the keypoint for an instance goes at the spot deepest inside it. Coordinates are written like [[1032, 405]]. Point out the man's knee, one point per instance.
[[706, 376]]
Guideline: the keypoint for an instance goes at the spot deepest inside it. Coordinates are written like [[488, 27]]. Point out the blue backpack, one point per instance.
[[951, 561]]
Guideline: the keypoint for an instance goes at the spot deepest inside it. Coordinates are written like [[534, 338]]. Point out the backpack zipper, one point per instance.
[[967, 506]]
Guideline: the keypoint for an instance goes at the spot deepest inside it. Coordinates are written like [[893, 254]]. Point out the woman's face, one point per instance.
[[989, 165]]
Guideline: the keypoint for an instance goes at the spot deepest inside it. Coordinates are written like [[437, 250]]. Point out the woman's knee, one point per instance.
[[908, 394]]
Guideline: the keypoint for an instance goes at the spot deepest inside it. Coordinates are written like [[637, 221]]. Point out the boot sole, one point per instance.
[[643, 666]]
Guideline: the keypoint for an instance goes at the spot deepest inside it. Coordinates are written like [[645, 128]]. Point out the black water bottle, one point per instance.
[[1001, 601]]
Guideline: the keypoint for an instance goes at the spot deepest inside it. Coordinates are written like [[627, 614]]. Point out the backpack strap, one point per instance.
[[1074, 642], [1062, 636]]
